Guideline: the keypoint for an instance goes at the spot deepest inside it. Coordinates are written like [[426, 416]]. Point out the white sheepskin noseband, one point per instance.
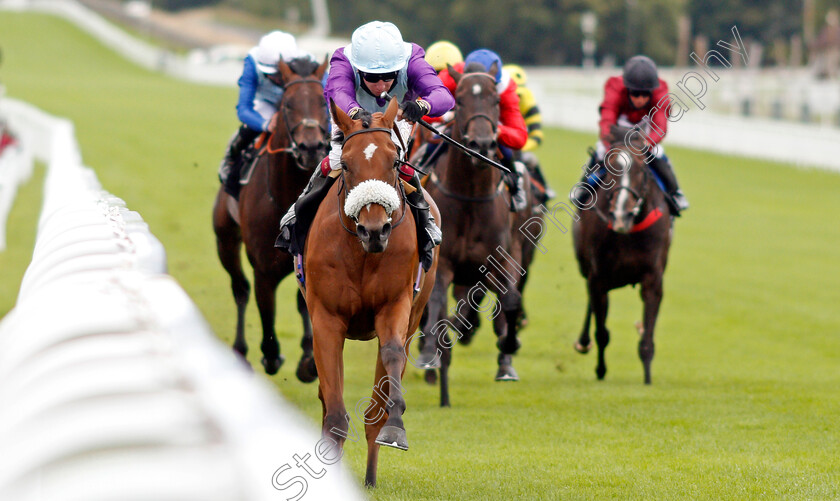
[[372, 191]]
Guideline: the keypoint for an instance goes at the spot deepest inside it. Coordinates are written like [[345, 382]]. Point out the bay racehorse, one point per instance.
[[364, 280], [623, 239], [280, 173], [482, 250]]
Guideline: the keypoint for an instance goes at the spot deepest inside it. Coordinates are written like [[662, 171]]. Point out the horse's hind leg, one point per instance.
[[584, 343], [306, 370], [266, 290], [229, 248], [652, 296], [599, 302]]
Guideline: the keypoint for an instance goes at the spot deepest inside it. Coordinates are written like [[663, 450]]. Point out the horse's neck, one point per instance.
[[463, 177], [283, 177]]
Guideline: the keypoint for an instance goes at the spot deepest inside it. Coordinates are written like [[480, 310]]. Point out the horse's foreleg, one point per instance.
[[266, 289], [391, 325], [506, 328], [306, 370], [468, 320], [328, 348], [375, 416], [229, 247], [599, 303], [584, 343], [652, 296], [430, 356]]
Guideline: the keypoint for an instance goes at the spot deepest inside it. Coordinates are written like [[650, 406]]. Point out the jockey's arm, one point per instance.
[[512, 130], [423, 82], [610, 109], [341, 84], [247, 91]]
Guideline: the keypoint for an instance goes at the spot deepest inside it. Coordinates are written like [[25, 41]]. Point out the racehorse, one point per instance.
[[623, 240], [363, 279], [482, 249], [280, 173]]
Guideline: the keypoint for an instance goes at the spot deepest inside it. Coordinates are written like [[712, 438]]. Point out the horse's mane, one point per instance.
[[303, 66]]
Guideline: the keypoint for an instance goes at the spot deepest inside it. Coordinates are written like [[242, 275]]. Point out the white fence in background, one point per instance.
[[112, 385]]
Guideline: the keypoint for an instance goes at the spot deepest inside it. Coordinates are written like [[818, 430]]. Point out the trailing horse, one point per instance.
[[623, 239], [364, 280], [482, 249], [280, 173]]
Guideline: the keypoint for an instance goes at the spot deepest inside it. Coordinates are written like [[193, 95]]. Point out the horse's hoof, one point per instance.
[[507, 373], [425, 361], [306, 370], [272, 366], [430, 376], [391, 436], [583, 350]]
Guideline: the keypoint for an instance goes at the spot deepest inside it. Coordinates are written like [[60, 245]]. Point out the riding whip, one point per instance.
[[455, 143]]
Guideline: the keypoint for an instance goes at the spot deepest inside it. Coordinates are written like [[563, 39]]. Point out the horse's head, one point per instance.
[[368, 163], [627, 169], [303, 111], [476, 108]]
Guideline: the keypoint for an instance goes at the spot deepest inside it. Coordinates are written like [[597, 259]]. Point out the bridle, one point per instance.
[[397, 184], [640, 197], [307, 123], [490, 119]]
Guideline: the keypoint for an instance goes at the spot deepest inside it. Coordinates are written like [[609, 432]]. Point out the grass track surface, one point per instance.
[[744, 402]]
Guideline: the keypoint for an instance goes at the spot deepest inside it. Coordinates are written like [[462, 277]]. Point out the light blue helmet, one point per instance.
[[378, 47]]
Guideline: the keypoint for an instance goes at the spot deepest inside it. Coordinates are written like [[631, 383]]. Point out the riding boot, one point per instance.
[[516, 184], [294, 225], [582, 196], [673, 194], [231, 168], [429, 235]]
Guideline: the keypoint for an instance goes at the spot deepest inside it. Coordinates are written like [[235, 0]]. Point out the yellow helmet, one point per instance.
[[442, 53], [517, 73]]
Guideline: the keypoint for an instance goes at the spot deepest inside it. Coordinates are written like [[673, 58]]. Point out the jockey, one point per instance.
[[533, 120], [260, 89], [377, 60], [628, 101], [512, 133]]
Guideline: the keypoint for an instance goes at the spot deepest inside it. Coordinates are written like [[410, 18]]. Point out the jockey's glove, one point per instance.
[[415, 110], [360, 114]]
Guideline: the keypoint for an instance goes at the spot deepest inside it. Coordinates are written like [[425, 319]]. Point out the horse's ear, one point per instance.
[[285, 71], [340, 118], [455, 74], [391, 113], [319, 72], [494, 68]]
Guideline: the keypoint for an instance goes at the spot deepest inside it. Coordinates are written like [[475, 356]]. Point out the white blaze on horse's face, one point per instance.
[[476, 89], [369, 151], [621, 204]]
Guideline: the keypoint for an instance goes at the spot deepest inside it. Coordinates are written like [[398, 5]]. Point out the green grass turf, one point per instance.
[[744, 402]]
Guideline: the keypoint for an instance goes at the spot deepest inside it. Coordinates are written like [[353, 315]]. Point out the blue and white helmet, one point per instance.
[[272, 47], [378, 47]]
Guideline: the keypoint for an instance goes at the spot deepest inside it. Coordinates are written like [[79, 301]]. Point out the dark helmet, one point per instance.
[[640, 74]]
